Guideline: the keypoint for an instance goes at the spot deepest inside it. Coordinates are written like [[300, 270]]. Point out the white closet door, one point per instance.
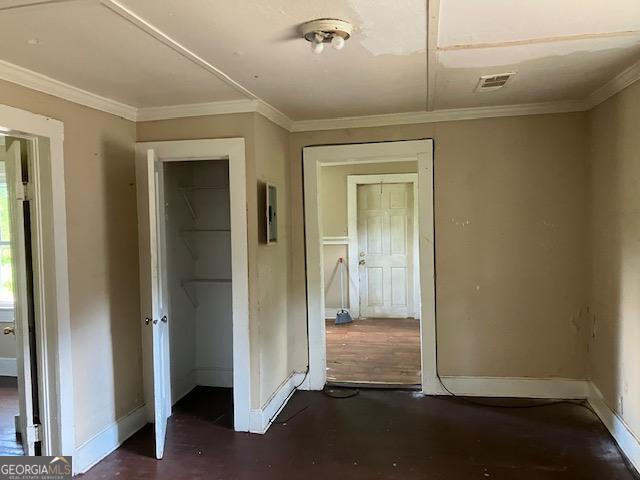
[[155, 331], [385, 243]]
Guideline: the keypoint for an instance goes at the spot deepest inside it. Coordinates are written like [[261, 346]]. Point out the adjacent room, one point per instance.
[[353, 238]]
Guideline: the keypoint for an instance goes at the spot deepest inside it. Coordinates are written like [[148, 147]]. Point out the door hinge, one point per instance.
[[35, 432], [24, 192]]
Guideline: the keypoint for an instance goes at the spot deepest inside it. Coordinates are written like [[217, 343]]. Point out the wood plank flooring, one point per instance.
[[9, 445], [376, 435], [381, 351]]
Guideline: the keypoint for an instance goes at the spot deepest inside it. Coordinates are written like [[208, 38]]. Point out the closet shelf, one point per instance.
[[191, 295]]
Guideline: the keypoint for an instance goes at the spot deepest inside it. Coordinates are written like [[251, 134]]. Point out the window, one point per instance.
[[6, 273]]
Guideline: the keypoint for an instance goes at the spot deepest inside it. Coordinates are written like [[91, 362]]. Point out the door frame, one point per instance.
[[352, 234], [314, 158], [233, 150], [51, 277]]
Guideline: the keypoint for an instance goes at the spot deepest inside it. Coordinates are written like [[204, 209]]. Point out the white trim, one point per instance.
[[516, 387], [627, 440], [42, 83], [215, 108], [106, 441], [352, 228], [153, 31], [50, 257], [433, 21], [335, 240], [8, 367], [232, 149], [313, 159], [261, 418], [615, 85], [447, 115], [36, 81]]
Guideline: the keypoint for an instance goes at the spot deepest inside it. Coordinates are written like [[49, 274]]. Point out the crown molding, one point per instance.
[[615, 85], [215, 108], [42, 83], [448, 115], [36, 81]]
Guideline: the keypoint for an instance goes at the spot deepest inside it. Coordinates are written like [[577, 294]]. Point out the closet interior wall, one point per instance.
[[198, 239]]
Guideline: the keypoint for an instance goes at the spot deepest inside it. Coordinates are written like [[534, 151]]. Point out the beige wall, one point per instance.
[[103, 257], [333, 211], [511, 255], [266, 159], [614, 347], [511, 243]]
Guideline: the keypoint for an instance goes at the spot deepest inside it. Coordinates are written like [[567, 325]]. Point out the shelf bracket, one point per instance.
[[190, 247], [191, 295], [183, 191]]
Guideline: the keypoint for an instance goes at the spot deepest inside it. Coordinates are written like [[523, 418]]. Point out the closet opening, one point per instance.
[[198, 285]]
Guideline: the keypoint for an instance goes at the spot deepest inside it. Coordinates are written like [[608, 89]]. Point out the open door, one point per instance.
[[24, 313], [155, 331]]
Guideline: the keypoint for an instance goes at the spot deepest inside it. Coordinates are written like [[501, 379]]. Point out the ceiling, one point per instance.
[[149, 53]]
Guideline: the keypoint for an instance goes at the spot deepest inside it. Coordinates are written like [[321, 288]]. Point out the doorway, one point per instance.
[[381, 346], [193, 278], [44, 212], [22, 389], [315, 159], [199, 285]]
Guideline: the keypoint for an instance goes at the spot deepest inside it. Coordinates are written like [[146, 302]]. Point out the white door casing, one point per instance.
[[383, 152], [45, 137], [385, 249], [155, 338], [150, 188]]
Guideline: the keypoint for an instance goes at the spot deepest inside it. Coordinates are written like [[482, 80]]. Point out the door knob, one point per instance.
[[147, 321], [164, 319], [10, 330], [362, 261]]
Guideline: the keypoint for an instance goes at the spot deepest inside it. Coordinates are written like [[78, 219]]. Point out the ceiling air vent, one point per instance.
[[493, 82]]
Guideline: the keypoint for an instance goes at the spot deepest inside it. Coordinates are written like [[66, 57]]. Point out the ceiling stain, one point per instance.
[[385, 29]]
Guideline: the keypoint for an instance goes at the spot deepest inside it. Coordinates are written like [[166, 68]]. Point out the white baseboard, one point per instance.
[[260, 419], [8, 367], [105, 442], [626, 439], [215, 377], [516, 387]]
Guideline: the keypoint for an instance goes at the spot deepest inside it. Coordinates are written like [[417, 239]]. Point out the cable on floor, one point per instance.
[[340, 393]]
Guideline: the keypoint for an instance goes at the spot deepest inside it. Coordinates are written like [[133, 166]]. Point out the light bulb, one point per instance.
[[337, 42], [317, 47]]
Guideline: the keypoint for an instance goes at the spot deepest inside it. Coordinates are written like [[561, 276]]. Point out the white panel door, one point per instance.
[[385, 246], [155, 331]]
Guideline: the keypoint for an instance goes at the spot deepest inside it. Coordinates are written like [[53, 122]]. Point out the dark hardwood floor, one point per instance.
[[374, 350], [9, 445], [378, 434]]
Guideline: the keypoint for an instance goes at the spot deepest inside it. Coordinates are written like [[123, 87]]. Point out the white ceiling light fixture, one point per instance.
[[326, 30]]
